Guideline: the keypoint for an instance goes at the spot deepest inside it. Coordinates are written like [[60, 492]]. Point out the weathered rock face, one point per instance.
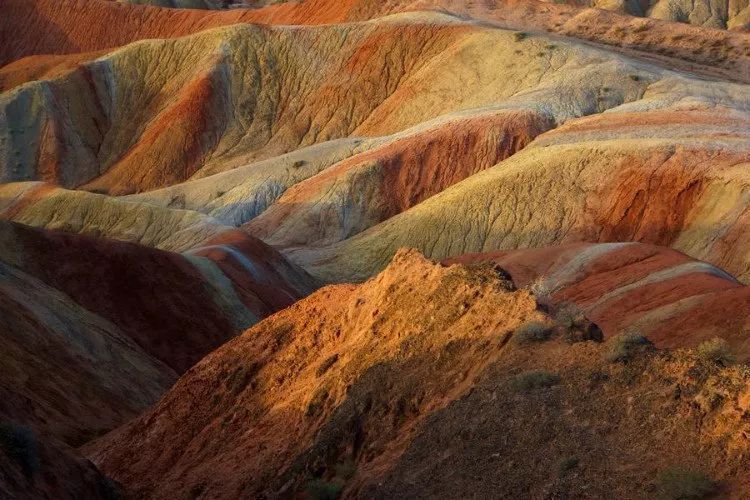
[[157, 298], [366, 386], [68, 26], [176, 307], [371, 187], [219, 103], [116, 322], [66, 370]]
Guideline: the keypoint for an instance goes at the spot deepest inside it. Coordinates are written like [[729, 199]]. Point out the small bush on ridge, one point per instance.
[[623, 346], [533, 379], [684, 484], [532, 331], [716, 350]]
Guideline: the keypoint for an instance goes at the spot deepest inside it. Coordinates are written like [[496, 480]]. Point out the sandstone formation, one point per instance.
[[675, 180], [101, 378], [70, 26]]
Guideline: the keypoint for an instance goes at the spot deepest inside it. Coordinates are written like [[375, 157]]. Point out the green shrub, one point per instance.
[[623, 346], [20, 444], [570, 316], [532, 331], [346, 469], [320, 489], [684, 484], [533, 379], [521, 35], [716, 350]]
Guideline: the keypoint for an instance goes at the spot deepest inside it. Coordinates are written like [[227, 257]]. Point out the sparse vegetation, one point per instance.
[[635, 78], [320, 489], [567, 464], [623, 346], [346, 469], [298, 163], [569, 316], [20, 444], [576, 326], [326, 364], [533, 379], [684, 484], [317, 402], [519, 36], [717, 350], [533, 331]]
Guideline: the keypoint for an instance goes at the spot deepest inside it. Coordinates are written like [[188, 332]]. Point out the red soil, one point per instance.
[[173, 146]]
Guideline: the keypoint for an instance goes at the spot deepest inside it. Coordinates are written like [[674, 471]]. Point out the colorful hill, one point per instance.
[[176, 172]]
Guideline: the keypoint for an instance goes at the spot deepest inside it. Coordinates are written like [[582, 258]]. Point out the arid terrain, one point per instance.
[[374, 249]]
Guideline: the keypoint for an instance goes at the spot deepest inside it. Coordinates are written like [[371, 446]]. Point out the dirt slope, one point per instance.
[[48, 469], [389, 386], [65, 370]]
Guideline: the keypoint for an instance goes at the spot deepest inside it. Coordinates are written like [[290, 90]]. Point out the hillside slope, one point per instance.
[[65, 370], [675, 179], [386, 387]]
